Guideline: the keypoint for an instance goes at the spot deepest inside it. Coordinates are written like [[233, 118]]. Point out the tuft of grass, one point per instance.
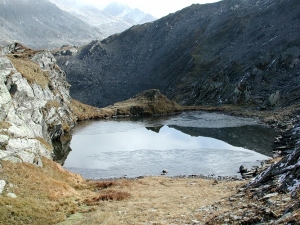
[[105, 184], [48, 146], [4, 125], [30, 70], [66, 127], [83, 111], [107, 195], [52, 104]]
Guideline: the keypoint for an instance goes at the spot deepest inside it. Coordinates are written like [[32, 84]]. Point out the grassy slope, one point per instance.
[[51, 195]]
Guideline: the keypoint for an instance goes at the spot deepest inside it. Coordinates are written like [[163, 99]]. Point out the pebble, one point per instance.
[[270, 195], [12, 195], [2, 185]]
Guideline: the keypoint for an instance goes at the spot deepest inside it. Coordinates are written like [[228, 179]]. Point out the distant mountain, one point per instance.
[[133, 16], [230, 52], [41, 24], [107, 23], [117, 9], [115, 18]]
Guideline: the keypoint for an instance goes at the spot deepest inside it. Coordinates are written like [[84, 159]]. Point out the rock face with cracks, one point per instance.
[[34, 104]]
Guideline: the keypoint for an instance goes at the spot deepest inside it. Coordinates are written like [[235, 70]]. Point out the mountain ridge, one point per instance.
[[228, 52], [106, 20], [40, 24]]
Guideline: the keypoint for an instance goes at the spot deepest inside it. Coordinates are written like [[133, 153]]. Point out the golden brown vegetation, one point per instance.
[[109, 195], [83, 111], [42, 193], [45, 143], [149, 102], [139, 105], [52, 104], [52, 195], [30, 70], [159, 200], [4, 125]]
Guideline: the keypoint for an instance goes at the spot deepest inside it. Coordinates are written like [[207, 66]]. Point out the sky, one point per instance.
[[157, 8]]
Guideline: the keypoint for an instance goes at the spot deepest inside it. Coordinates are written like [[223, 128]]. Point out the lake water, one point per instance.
[[191, 143]]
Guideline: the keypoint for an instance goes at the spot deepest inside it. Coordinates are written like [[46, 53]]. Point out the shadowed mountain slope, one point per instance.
[[242, 52], [40, 24]]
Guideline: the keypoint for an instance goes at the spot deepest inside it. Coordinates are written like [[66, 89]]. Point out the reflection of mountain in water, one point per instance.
[[256, 138], [154, 129]]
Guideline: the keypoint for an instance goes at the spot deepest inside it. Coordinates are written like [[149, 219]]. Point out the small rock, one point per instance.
[[286, 199], [12, 195], [243, 169], [164, 172], [242, 189], [239, 195], [195, 222], [270, 195], [215, 182], [235, 217], [2, 185]]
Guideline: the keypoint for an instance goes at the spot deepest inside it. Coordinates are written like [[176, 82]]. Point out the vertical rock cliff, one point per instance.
[[34, 105]]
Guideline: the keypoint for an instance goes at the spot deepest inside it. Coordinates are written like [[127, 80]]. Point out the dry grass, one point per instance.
[[107, 195], [30, 70], [52, 104], [4, 125], [43, 193], [83, 111], [48, 146], [149, 102], [51, 195], [160, 200]]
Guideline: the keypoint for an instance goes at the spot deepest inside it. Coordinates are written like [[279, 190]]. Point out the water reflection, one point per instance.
[[145, 147]]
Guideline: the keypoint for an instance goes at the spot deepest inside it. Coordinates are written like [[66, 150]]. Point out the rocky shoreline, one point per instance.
[[271, 194]]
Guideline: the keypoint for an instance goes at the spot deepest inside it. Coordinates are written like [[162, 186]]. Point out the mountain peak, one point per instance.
[[132, 16], [117, 9]]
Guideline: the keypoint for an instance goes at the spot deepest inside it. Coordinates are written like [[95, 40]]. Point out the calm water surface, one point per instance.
[[185, 144]]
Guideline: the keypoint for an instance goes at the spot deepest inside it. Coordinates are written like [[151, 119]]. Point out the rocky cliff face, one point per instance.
[[229, 52], [34, 105]]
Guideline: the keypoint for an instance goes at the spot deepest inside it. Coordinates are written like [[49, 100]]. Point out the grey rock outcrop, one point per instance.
[[34, 104], [285, 174]]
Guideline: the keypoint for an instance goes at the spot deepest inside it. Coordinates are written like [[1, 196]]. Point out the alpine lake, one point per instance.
[[190, 143]]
